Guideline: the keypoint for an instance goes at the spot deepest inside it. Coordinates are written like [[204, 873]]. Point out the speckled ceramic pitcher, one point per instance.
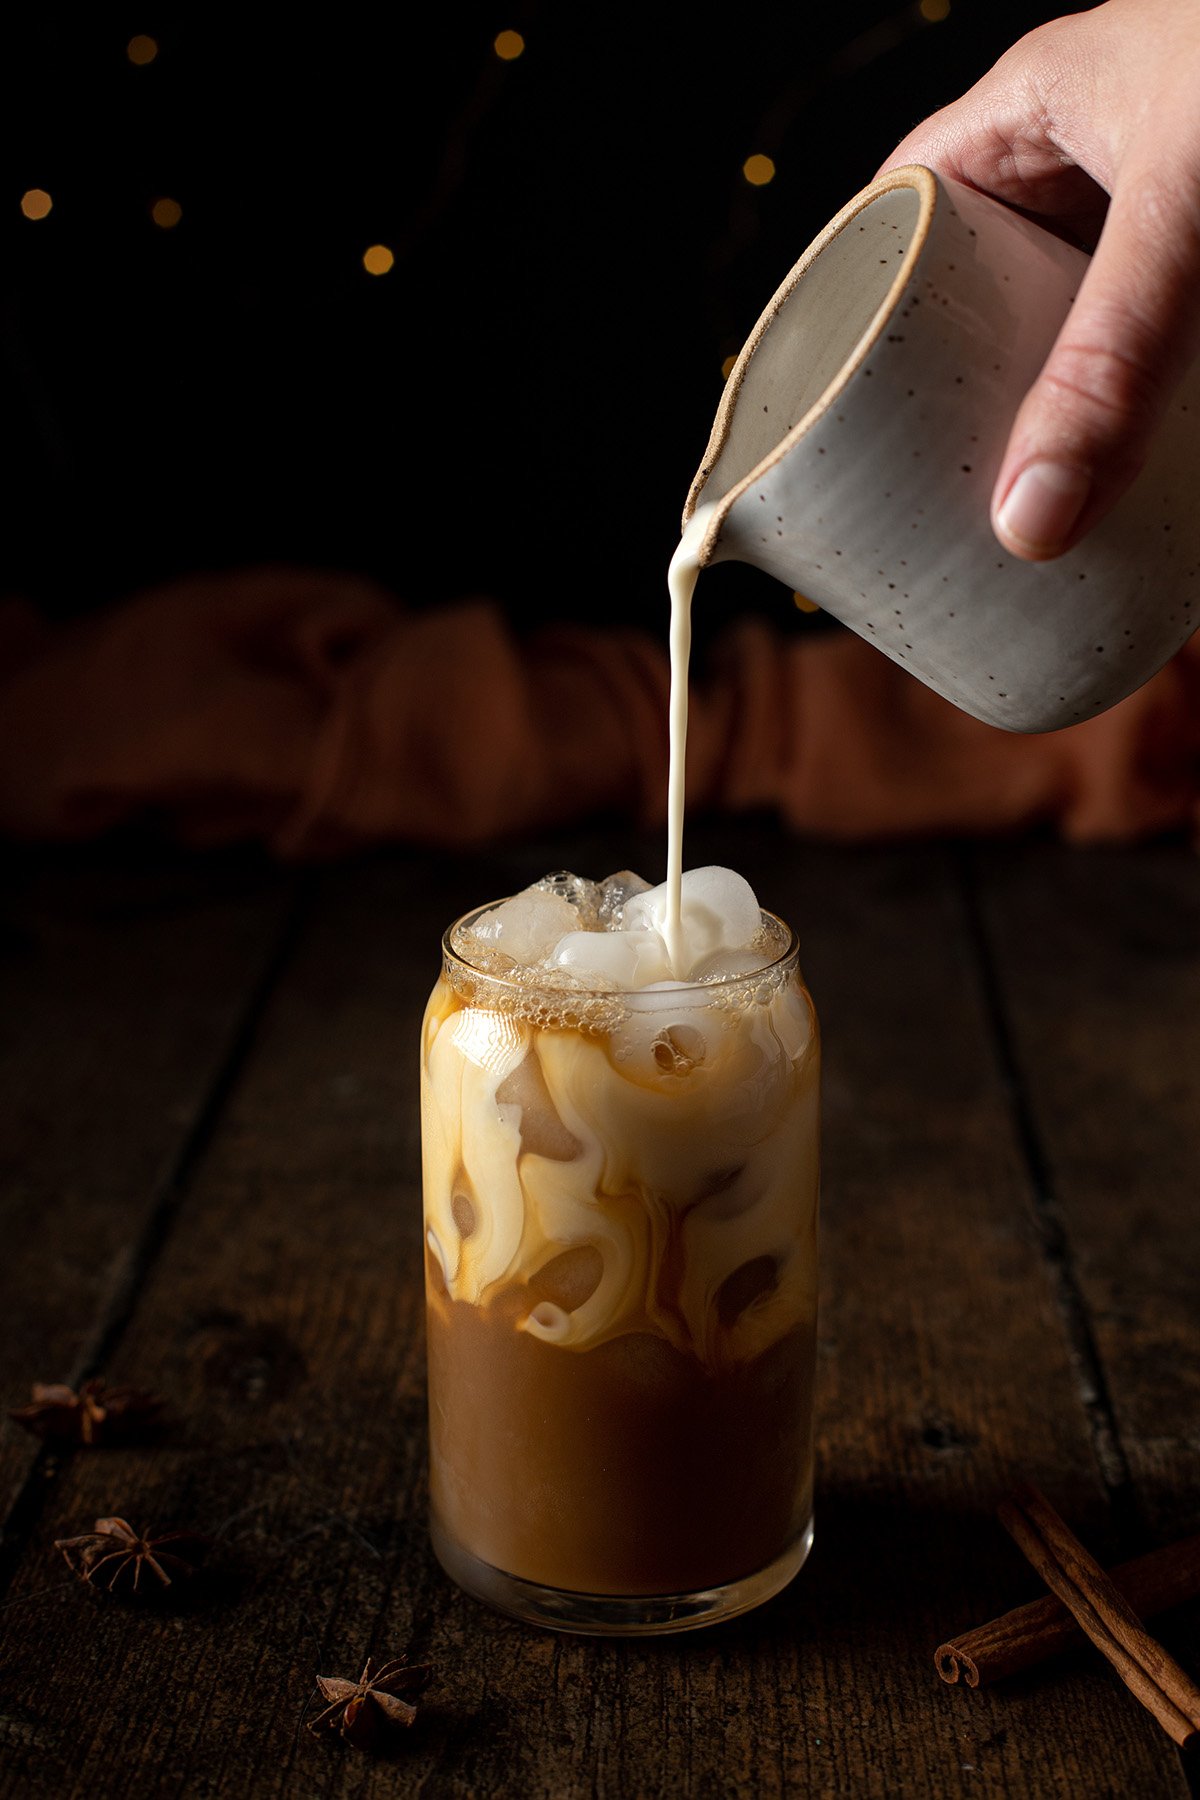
[[860, 434]]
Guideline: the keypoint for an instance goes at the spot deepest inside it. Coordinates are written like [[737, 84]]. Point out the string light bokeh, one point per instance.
[[758, 170], [533, 241]]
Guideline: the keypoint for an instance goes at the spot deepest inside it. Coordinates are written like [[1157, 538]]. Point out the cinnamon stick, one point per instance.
[[1152, 1676], [1030, 1634]]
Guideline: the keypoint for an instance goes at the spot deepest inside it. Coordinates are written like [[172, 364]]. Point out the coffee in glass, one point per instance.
[[621, 1172]]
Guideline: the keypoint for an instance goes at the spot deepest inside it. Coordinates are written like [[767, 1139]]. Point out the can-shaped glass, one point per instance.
[[621, 1275]]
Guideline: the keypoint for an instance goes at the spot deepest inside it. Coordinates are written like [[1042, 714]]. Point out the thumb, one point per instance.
[[1084, 428]]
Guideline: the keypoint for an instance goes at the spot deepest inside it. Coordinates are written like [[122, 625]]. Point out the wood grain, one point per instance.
[[283, 1317], [1100, 952], [1101, 959], [121, 993]]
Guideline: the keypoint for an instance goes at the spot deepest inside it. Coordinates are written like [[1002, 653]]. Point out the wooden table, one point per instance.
[[211, 1188]]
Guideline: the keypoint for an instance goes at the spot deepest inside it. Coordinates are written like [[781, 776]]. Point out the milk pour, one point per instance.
[[681, 583]]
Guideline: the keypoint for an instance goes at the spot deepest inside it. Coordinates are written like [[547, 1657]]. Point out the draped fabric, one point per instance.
[[314, 712]]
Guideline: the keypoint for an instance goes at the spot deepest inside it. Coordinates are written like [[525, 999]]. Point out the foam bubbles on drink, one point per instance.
[[613, 936], [727, 965], [584, 895], [616, 891]]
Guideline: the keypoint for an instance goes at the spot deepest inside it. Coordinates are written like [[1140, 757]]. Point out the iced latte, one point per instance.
[[620, 1171]]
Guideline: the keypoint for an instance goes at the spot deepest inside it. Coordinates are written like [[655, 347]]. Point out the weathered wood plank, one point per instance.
[[1099, 954], [121, 992], [284, 1319]]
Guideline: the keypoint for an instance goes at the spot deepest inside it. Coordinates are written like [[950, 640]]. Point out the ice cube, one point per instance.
[[746, 1287], [718, 908], [570, 1278], [646, 1367], [726, 965], [615, 893], [528, 926], [577, 891], [542, 1131], [665, 1032], [613, 959], [678, 1049]]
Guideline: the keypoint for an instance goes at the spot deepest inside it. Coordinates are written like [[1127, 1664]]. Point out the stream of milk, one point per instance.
[[681, 583]]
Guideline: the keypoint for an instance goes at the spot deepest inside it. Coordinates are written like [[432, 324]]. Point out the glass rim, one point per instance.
[[638, 996]]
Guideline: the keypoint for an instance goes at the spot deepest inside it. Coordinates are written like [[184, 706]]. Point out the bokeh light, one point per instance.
[[804, 604], [727, 366], [509, 45], [378, 259], [166, 213], [141, 50], [934, 10], [758, 170], [36, 203]]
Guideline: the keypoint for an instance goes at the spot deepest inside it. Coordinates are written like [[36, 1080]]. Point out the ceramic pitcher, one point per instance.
[[860, 434]]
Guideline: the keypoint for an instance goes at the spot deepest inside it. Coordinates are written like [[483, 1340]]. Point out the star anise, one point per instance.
[[95, 1415], [114, 1555], [369, 1711]]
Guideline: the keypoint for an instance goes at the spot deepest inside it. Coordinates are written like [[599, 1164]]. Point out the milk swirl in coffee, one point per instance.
[[619, 1119]]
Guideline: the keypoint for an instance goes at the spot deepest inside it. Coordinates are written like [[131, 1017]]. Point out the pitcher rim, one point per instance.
[[926, 184]]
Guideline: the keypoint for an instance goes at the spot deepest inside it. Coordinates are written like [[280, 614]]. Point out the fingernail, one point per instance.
[[1042, 505]]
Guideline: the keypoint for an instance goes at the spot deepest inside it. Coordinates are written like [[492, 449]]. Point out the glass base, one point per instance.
[[617, 1615]]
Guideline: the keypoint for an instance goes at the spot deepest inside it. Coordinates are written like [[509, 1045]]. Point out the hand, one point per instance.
[[1104, 103]]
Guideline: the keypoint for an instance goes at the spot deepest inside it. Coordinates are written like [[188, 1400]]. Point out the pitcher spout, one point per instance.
[[801, 354]]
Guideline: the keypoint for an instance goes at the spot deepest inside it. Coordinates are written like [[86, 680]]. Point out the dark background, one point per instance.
[[576, 254]]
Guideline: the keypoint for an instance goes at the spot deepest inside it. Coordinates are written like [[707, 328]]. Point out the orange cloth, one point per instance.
[[312, 711]]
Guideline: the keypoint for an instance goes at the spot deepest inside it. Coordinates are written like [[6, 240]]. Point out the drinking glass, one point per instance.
[[621, 1264]]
